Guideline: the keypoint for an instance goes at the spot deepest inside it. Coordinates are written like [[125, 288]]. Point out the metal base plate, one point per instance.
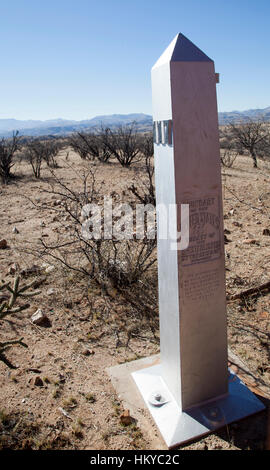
[[178, 427]]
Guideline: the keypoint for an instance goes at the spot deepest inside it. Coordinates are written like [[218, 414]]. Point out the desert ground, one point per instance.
[[60, 396]]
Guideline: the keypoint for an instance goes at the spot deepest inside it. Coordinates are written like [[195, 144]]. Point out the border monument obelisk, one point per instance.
[[190, 392], [192, 304], [187, 171]]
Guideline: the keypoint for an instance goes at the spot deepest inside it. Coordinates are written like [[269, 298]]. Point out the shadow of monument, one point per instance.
[[246, 430], [251, 433]]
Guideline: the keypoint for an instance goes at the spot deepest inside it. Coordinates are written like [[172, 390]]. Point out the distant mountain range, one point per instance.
[[62, 127], [238, 116]]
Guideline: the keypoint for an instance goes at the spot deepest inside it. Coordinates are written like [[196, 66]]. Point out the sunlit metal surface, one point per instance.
[[162, 132]]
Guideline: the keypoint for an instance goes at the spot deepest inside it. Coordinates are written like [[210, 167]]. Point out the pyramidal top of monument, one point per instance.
[[181, 49]]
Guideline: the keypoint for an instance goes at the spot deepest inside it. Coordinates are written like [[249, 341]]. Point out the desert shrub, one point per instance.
[[37, 151], [79, 146], [51, 149], [252, 136], [263, 148], [8, 148], [144, 190], [228, 156], [33, 154], [118, 261], [123, 262], [91, 146], [7, 307], [124, 144]]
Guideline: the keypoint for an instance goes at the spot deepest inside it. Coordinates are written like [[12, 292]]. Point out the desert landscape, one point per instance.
[[59, 396]]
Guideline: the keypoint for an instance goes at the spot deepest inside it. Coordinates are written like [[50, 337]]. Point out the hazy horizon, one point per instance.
[[61, 118]]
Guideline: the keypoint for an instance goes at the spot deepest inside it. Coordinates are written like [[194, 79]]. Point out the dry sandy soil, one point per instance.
[[91, 329]]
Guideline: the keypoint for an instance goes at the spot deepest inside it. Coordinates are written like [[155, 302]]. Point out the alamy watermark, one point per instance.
[[127, 222]]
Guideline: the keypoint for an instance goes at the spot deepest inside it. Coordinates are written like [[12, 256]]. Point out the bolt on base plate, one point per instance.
[[157, 399]]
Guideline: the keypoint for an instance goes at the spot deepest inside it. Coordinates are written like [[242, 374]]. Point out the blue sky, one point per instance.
[[79, 58]]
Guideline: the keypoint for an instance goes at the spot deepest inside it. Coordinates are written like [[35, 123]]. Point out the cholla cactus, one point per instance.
[[7, 307]]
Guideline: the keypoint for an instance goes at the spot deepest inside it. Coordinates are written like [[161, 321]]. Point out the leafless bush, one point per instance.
[[108, 261], [50, 152], [33, 154], [37, 151], [91, 146], [123, 143], [8, 148], [228, 156], [145, 189], [252, 136], [263, 148], [124, 262], [78, 145]]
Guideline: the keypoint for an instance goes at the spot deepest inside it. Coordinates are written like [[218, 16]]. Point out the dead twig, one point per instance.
[[253, 290]]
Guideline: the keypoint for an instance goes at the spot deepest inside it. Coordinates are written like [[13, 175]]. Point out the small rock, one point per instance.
[[250, 241], [264, 315], [226, 240], [15, 230], [12, 270], [38, 382], [62, 379], [266, 231], [125, 418], [39, 318], [3, 244], [88, 352], [42, 224], [64, 412], [237, 224], [49, 269], [50, 291]]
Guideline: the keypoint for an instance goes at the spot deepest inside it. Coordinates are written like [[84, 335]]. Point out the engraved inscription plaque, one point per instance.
[[204, 231]]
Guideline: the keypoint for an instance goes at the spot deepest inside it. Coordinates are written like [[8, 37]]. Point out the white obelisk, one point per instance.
[[191, 392]]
